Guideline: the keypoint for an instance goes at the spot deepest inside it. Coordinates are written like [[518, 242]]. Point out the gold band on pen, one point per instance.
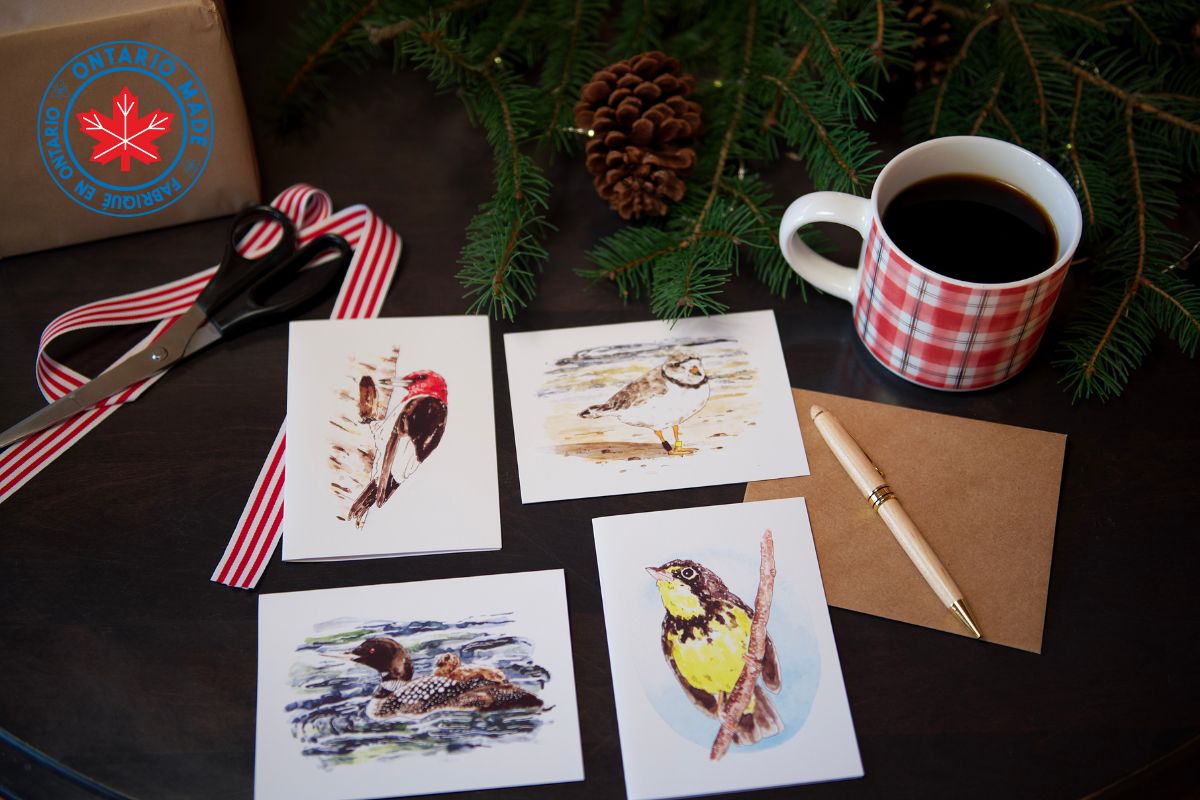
[[880, 495]]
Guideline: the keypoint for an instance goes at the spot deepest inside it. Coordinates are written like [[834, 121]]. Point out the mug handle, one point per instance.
[[844, 209]]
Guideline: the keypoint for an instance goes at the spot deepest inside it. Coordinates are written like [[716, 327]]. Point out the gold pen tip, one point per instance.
[[816, 411], [964, 616]]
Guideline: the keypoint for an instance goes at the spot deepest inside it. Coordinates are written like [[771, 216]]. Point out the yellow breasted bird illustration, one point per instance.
[[705, 635]]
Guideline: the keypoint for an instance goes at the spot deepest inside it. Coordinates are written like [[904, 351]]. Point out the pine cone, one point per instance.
[[930, 53], [642, 127]]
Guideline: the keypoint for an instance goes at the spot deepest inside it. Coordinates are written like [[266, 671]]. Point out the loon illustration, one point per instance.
[[399, 695], [449, 665]]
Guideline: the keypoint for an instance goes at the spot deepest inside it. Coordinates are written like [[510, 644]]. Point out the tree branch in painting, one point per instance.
[[743, 690]]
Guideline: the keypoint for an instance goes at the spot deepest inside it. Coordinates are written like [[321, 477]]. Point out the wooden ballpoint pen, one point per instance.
[[870, 481]]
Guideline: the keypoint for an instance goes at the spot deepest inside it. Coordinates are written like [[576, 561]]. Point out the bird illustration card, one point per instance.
[[390, 426], [416, 688], [647, 406], [724, 666]]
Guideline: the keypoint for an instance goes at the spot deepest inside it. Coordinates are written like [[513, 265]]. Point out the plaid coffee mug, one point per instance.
[[928, 328]]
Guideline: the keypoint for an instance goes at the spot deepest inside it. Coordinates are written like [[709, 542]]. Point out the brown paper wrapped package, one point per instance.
[[985, 496], [36, 39]]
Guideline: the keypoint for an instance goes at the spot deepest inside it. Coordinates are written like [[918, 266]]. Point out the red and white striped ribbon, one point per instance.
[[372, 267], [376, 252]]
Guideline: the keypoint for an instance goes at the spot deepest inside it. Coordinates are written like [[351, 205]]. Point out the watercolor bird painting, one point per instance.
[[449, 665], [705, 637], [408, 432], [400, 695], [663, 397]]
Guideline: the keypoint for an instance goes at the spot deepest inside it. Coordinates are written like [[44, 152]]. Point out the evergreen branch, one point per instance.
[[612, 274], [433, 38], [953, 65], [559, 90], [314, 58], [509, 131], [989, 105], [749, 203], [1073, 152], [769, 265], [639, 27], [1181, 262], [818, 128], [1108, 6], [798, 61], [772, 116], [800, 77], [734, 118], [954, 11], [1075, 15], [829, 45], [684, 298], [1190, 318], [499, 257], [702, 274], [1183, 98], [1033, 70], [396, 29], [877, 44], [1000, 115], [1089, 369], [1126, 97], [1138, 18], [505, 261], [501, 44], [643, 21]]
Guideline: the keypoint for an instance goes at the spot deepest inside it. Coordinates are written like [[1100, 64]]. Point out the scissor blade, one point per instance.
[[158, 355]]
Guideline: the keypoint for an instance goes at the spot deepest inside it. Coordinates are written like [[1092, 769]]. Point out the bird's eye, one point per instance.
[[371, 651], [687, 573]]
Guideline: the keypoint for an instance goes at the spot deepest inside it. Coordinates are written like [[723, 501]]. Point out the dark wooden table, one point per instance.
[[120, 658]]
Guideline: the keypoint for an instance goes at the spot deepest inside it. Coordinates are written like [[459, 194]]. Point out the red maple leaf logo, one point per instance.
[[125, 135]]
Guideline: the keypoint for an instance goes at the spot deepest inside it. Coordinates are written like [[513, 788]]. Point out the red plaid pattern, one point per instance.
[[943, 334]]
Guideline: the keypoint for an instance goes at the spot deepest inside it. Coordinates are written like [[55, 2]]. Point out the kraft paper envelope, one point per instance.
[[984, 495]]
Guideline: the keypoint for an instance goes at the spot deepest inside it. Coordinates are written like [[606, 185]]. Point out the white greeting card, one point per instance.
[[417, 688], [646, 406], [680, 591], [391, 439]]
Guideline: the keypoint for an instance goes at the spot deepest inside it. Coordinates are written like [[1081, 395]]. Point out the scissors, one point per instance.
[[243, 294]]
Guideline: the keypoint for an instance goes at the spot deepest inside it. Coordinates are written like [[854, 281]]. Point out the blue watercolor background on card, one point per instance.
[[328, 715], [790, 629]]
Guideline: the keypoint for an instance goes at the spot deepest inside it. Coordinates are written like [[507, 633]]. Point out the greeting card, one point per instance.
[[407, 689], [692, 598], [391, 440], [646, 406]]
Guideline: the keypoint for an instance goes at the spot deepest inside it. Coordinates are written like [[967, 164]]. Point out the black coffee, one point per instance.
[[972, 228]]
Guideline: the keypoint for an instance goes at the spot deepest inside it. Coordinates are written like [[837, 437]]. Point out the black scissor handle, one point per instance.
[[236, 272], [287, 288]]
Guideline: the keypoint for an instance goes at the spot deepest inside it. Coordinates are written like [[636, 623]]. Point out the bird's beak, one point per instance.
[[658, 574], [404, 383], [694, 370], [341, 656]]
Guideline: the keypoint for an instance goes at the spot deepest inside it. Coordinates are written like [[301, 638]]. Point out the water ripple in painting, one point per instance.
[[329, 713]]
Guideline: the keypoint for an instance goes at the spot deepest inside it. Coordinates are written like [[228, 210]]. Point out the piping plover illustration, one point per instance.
[[665, 396]]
